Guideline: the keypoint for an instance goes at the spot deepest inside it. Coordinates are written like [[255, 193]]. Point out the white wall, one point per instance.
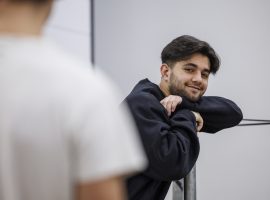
[[69, 26], [234, 163]]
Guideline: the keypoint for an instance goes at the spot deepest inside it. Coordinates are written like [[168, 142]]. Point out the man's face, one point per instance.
[[189, 78]]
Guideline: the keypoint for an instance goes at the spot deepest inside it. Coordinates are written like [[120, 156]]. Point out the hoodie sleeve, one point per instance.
[[171, 144], [217, 112]]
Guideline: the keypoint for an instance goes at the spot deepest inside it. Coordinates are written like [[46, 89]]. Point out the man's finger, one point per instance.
[[174, 104]]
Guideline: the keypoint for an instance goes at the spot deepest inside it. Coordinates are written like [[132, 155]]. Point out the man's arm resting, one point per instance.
[[217, 112]]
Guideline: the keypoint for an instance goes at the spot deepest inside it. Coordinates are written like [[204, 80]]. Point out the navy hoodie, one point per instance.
[[170, 142]]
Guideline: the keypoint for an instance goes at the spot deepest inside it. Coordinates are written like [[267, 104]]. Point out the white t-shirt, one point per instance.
[[60, 123]]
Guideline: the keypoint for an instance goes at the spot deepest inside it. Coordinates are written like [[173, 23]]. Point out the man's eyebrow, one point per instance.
[[196, 66], [191, 65]]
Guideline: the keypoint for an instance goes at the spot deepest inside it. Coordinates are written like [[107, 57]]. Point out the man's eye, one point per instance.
[[188, 70], [205, 75]]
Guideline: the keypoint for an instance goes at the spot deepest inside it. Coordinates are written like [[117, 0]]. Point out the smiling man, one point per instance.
[[169, 115]]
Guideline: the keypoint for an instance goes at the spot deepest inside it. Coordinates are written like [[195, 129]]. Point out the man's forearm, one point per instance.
[[217, 112]]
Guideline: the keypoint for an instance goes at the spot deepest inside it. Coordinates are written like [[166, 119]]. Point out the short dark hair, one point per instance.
[[184, 47]]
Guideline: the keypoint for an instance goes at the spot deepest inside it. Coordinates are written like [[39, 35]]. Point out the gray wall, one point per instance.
[[234, 163], [69, 26]]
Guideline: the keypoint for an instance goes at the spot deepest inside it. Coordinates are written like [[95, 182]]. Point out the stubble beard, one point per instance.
[[178, 88]]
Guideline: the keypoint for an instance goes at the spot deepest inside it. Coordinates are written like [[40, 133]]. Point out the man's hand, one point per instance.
[[199, 120], [170, 102]]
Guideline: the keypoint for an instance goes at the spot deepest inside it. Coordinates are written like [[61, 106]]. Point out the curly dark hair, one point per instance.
[[183, 47]]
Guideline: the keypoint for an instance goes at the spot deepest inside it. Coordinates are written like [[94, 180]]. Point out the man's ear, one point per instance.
[[165, 71]]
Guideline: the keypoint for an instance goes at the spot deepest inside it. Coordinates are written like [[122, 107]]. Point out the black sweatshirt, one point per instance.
[[171, 143]]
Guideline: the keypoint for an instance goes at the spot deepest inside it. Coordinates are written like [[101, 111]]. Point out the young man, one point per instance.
[[59, 136], [169, 116]]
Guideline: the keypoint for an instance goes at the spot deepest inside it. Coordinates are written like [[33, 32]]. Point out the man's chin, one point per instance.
[[193, 98], [188, 96]]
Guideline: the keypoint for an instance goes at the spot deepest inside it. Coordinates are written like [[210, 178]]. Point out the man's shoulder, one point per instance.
[[141, 97]]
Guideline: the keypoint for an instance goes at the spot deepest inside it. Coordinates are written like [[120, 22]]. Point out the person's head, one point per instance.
[[23, 17], [186, 65]]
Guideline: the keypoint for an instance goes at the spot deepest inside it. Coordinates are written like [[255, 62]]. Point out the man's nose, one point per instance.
[[197, 77]]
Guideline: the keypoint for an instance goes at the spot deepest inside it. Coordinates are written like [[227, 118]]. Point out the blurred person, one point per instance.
[[60, 122], [170, 114]]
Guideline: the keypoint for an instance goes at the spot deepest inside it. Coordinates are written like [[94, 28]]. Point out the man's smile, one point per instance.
[[194, 87]]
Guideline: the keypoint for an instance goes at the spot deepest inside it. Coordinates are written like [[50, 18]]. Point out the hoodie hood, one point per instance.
[[146, 86]]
